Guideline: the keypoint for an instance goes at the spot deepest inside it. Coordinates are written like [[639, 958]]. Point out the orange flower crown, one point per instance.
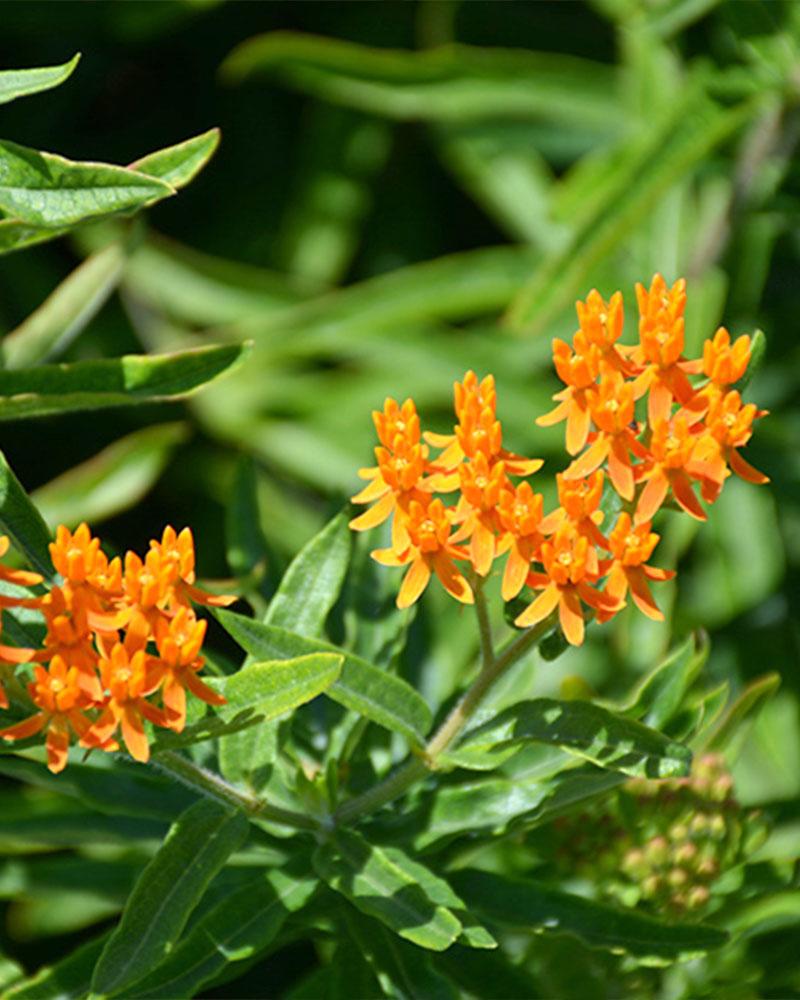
[[690, 438], [120, 639]]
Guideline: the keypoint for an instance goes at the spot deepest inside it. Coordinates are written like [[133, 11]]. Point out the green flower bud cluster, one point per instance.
[[663, 843]]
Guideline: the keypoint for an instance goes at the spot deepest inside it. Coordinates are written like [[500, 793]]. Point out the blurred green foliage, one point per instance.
[[404, 191]]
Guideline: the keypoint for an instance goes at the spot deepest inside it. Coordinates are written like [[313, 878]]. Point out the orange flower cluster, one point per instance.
[[122, 644], [686, 435]]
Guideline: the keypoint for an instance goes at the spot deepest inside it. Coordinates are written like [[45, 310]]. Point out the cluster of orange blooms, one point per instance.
[[120, 638], [690, 438]]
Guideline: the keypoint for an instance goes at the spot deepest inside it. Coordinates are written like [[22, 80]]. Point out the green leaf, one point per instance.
[[43, 189], [66, 311], [489, 804], [366, 689], [383, 887], [588, 731], [449, 83], [748, 702], [196, 848], [16, 83], [111, 784], [659, 697], [403, 971], [271, 688], [488, 975], [245, 543], [645, 168], [246, 757], [22, 522], [16, 235], [311, 584], [112, 481], [530, 906], [257, 693], [69, 979], [92, 385], [179, 164], [237, 928], [197, 289]]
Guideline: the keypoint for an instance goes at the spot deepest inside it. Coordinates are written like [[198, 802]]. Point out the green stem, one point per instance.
[[212, 785], [412, 770]]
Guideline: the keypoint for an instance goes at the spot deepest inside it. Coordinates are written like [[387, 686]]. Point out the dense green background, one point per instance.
[[675, 143]]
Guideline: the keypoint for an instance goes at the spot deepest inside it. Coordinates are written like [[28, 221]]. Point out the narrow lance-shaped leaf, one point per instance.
[[589, 731], [404, 973], [16, 83], [20, 519], [382, 887], [68, 979], [730, 729], [92, 385], [43, 189], [66, 311], [196, 848], [672, 147], [529, 905], [236, 929], [112, 481], [374, 693], [258, 692], [179, 164], [452, 83], [312, 582], [17, 235]]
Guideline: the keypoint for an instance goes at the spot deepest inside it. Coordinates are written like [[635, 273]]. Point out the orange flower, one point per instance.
[[601, 323], [177, 551], [478, 432], [430, 550], [580, 505], [578, 369], [19, 578], [179, 643], [724, 363], [729, 426], [566, 581], [59, 695], [672, 448], [611, 407], [402, 464], [69, 635], [660, 350], [128, 677], [631, 547], [520, 513], [482, 485]]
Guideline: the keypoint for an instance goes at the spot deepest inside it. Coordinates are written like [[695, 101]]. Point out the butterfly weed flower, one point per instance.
[[122, 644], [641, 419]]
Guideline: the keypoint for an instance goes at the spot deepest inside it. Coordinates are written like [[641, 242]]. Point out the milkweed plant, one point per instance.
[[304, 784]]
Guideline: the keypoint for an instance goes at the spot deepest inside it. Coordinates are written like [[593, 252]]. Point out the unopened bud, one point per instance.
[[717, 826], [707, 869], [651, 886], [697, 897], [657, 850], [685, 854], [678, 831], [721, 788], [677, 877]]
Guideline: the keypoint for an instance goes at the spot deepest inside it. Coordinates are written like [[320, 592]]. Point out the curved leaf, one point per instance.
[[43, 189], [311, 584], [374, 693], [93, 385], [236, 929], [66, 311], [528, 905], [20, 519], [196, 848], [383, 886], [271, 688], [16, 83], [589, 731], [179, 164]]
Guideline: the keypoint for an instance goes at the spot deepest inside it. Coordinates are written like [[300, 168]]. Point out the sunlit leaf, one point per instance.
[[92, 385], [16, 83], [179, 164]]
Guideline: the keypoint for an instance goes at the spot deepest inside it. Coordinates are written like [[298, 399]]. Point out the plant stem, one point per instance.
[[412, 770], [212, 785]]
